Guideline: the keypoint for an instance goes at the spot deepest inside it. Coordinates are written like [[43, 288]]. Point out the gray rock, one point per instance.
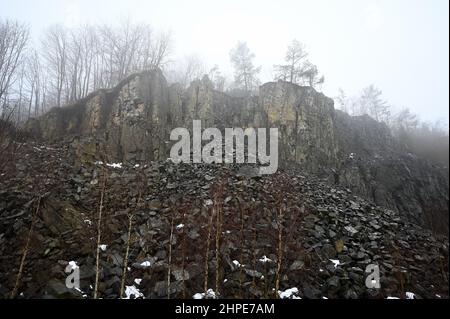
[[297, 265]]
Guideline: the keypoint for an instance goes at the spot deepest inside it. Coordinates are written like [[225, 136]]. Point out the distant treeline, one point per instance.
[[67, 64]]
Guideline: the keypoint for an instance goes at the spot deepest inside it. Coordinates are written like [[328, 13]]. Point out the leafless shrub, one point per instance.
[[25, 251], [99, 234], [169, 269]]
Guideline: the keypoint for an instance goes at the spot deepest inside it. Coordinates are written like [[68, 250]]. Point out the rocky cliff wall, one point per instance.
[[133, 123]]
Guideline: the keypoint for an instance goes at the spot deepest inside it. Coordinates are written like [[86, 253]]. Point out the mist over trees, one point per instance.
[[13, 40], [428, 140], [67, 64], [245, 72]]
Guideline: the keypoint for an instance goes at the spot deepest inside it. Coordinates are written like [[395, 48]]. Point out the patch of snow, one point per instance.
[[198, 296], [225, 280], [264, 259], [180, 226], [102, 247], [136, 166], [98, 163], [210, 294], [146, 264], [324, 297], [115, 165], [438, 296], [351, 156], [236, 263], [289, 293], [410, 295], [392, 298], [228, 232], [138, 281], [335, 262], [87, 221], [132, 291]]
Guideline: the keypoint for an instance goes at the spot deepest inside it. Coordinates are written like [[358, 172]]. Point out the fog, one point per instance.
[[224, 150], [399, 46]]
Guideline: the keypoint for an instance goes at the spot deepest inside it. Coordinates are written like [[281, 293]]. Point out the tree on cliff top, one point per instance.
[[372, 104], [295, 57], [245, 73], [297, 69]]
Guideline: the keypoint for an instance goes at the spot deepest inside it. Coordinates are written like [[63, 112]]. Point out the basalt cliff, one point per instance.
[[132, 123], [89, 191]]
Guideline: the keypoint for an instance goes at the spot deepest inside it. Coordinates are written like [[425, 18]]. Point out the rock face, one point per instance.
[[374, 166], [305, 120], [132, 122]]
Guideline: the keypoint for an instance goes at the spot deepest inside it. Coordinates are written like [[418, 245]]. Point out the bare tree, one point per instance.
[[310, 75], [342, 101], [372, 104], [130, 48], [186, 70], [405, 120], [245, 73], [293, 70], [282, 72], [34, 81], [91, 57], [13, 41], [160, 51], [218, 80], [55, 52]]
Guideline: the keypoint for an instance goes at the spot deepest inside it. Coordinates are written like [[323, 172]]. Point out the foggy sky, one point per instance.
[[401, 46]]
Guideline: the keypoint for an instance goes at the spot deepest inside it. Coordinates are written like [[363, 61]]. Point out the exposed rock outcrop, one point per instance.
[[132, 122]]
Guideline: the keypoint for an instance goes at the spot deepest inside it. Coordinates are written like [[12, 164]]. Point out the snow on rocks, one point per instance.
[[210, 294], [335, 262], [291, 293], [410, 295], [131, 292], [264, 259], [114, 165]]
